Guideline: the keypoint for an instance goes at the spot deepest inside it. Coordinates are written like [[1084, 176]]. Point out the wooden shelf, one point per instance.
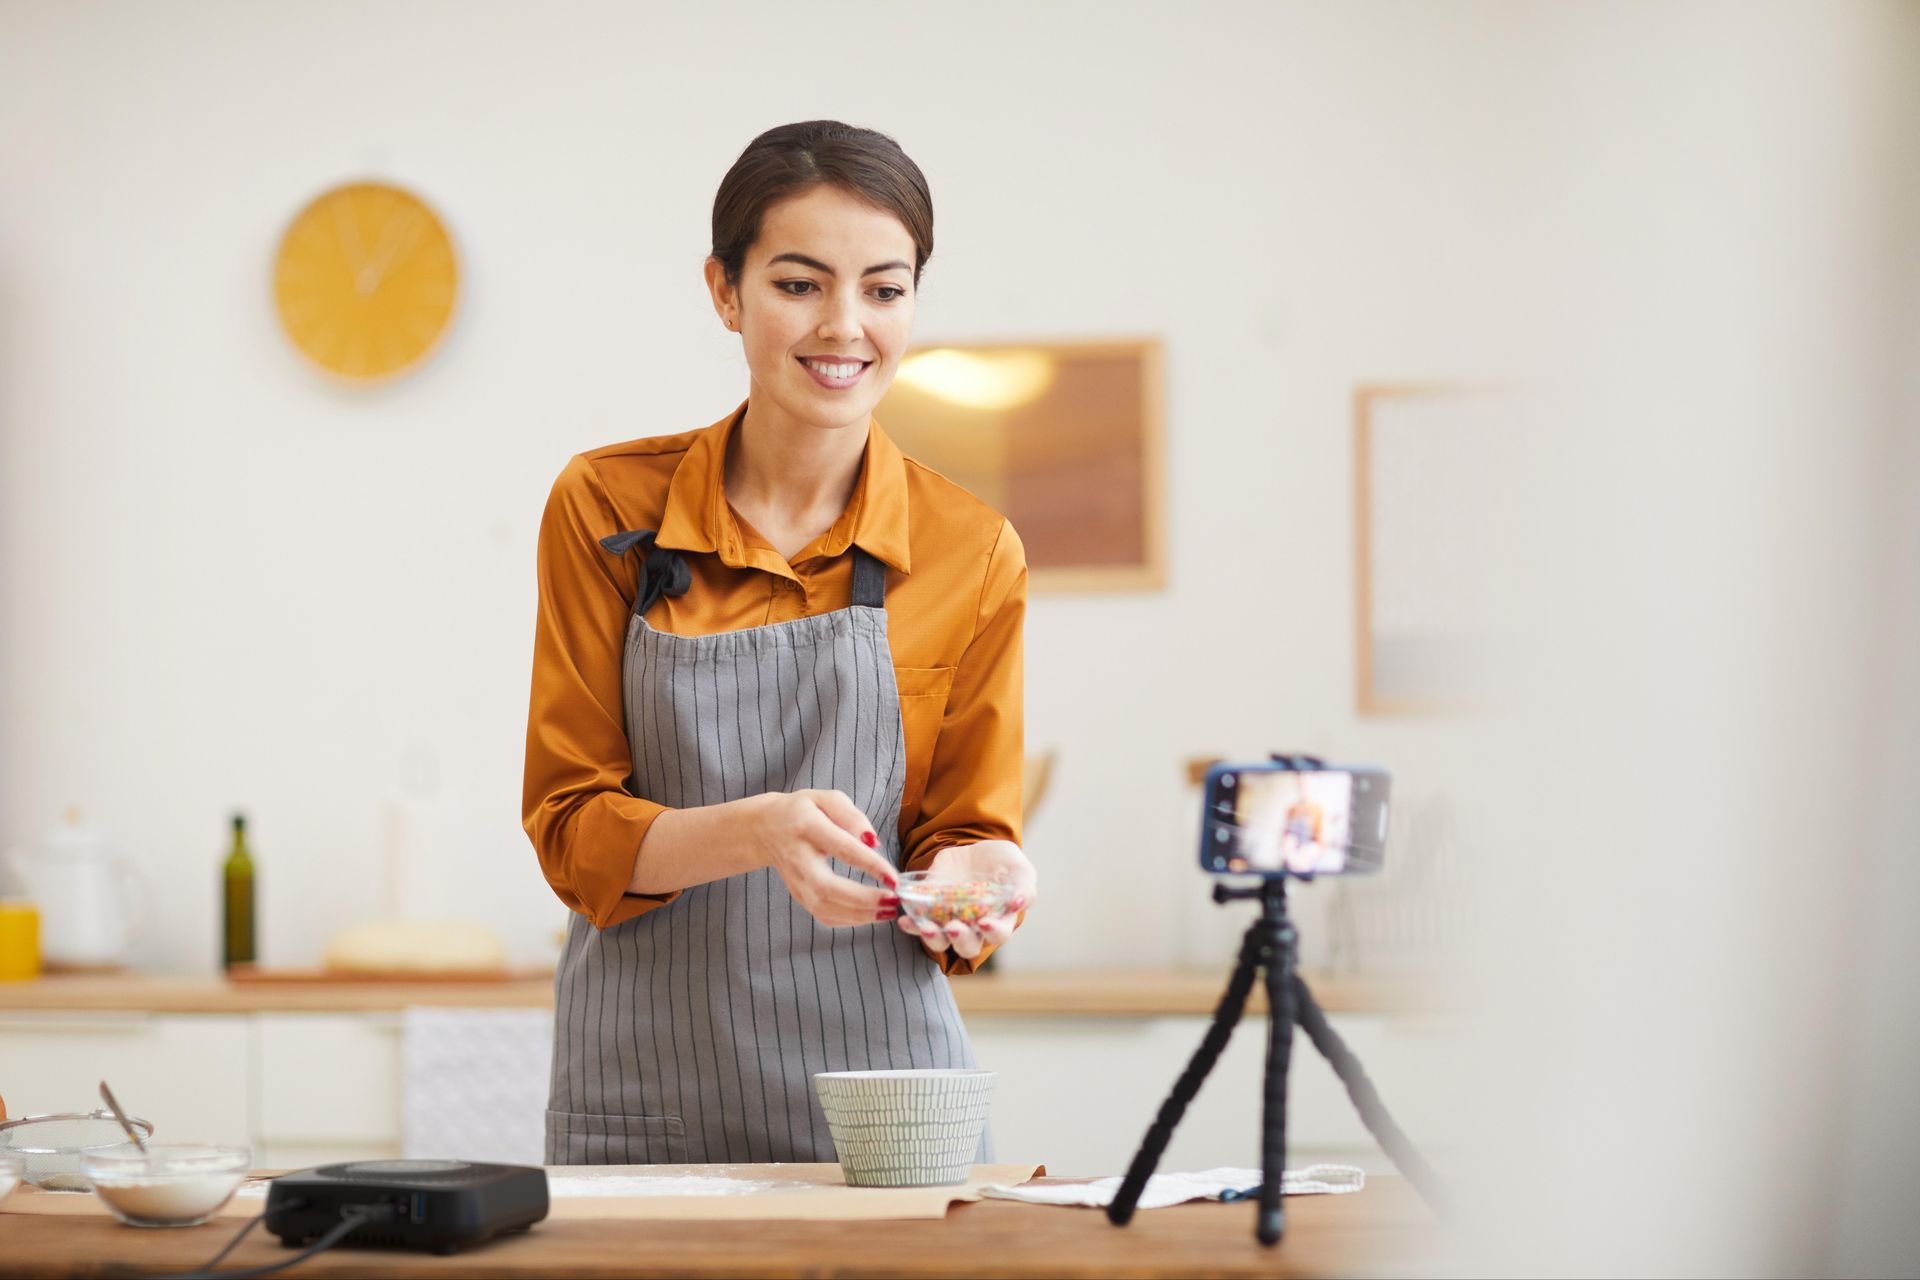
[[140, 993], [1062, 993], [1156, 992]]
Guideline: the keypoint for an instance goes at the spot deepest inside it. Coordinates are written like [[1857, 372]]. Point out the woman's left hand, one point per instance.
[[1000, 860]]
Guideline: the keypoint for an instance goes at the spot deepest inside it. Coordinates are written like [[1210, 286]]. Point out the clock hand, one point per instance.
[[346, 230], [400, 231]]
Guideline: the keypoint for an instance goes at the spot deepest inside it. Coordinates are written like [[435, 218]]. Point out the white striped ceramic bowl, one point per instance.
[[906, 1128]]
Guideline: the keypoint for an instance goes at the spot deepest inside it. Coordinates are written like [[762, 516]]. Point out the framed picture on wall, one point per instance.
[[1429, 462], [1063, 438]]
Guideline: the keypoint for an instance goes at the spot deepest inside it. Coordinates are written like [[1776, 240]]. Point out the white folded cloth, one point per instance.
[[1163, 1189]]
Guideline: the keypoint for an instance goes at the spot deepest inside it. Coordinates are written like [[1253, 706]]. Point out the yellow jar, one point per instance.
[[19, 940]]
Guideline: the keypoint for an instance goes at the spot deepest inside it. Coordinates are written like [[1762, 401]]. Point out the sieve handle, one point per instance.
[[121, 1116]]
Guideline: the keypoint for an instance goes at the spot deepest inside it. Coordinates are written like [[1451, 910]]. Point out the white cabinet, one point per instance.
[[1078, 1093], [329, 1087], [1075, 1092], [300, 1089], [190, 1074]]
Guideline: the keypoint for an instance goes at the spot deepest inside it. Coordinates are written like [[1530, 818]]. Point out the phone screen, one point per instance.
[[1280, 822]]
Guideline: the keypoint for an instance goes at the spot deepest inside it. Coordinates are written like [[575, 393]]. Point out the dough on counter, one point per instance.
[[416, 946]]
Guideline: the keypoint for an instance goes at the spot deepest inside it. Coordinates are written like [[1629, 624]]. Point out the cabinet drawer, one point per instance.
[[306, 1155], [329, 1080], [188, 1074]]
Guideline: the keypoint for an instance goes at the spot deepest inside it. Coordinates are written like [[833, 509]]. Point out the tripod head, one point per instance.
[[1271, 894]]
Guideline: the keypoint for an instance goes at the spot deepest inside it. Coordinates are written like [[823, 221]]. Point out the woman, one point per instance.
[[762, 645]]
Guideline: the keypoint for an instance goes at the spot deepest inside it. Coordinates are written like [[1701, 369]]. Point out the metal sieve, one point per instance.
[[52, 1145]]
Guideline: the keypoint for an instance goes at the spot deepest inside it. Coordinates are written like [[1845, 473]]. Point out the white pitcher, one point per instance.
[[89, 896]]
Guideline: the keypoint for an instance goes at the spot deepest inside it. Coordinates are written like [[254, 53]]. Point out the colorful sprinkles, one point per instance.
[[945, 902]]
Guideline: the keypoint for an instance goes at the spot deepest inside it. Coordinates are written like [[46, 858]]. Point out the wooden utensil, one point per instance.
[[121, 1116]]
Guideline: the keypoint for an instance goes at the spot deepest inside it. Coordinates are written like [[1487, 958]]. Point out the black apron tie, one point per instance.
[[869, 580], [663, 571]]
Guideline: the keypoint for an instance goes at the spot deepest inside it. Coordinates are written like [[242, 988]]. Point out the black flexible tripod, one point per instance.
[[1269, 946]]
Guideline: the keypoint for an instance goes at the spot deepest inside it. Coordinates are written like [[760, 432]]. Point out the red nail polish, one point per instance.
[[886, 915], [870, 840]]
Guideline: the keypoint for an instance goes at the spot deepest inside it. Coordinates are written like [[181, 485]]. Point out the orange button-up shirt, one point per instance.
[[956, 602]]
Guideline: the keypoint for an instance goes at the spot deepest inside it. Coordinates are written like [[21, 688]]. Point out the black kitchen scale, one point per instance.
[[441, 1205]]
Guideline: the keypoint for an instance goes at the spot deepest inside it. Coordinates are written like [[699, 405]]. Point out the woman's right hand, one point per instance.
[[795, 832]]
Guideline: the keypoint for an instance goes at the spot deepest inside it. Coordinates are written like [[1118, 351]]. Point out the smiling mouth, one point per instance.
[[835, 373]]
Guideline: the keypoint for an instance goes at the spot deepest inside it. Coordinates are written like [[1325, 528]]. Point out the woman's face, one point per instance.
[[828, 283]]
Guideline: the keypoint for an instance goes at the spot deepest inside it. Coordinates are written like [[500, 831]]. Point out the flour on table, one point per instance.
[[627, 1184], [583, 1184]]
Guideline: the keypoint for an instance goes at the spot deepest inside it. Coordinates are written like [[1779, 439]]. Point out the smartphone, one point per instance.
[[1271, 820]]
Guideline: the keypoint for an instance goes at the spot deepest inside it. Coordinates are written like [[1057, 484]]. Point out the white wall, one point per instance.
[[227, 582]]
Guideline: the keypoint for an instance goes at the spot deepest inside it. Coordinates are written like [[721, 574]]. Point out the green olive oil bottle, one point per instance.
[[237, 900]]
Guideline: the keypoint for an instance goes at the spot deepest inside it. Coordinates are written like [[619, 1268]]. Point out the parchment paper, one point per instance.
[[739, 1192]]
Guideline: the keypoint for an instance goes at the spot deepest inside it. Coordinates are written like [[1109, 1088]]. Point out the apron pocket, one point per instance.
[[580, 1137], [923, 701]]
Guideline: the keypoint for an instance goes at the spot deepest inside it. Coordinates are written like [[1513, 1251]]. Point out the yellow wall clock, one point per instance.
[[365, 281]]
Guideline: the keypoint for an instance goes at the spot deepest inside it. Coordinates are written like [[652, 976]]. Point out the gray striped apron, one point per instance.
[[690, 1034]]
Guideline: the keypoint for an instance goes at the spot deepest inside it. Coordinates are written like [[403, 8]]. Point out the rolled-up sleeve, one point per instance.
[[974, 783], [585, 825]]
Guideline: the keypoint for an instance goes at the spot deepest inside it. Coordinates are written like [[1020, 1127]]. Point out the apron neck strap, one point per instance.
[[662, 571], [869, 579], [665, 572]]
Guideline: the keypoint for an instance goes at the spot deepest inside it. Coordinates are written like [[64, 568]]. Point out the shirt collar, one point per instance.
[[698, 518]]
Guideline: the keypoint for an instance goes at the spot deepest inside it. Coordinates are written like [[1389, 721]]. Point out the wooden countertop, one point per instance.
[[1382, 1230], [1063, 993]]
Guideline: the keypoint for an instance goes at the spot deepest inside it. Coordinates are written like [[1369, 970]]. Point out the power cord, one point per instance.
[[351, 1217], [234, 1243]]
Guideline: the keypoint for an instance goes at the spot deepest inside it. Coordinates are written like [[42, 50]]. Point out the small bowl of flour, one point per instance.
[[180, 1185]]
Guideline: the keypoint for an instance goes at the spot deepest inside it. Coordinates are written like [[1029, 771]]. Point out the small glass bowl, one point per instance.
[[12, 1169], [927, 900], [52, 1145], [180, 1185]]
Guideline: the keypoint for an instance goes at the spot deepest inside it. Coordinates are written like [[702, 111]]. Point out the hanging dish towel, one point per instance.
[[1163, 1189], [476, 1084]]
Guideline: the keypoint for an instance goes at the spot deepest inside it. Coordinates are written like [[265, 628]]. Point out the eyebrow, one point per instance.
[[805, 261]]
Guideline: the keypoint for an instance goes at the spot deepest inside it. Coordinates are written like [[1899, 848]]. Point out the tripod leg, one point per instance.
[[1232, 1003], [1272, 1223], [1366, 1098]]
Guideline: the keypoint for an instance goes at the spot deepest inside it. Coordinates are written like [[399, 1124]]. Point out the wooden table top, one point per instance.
[[1384, 1228], [1089, 993]]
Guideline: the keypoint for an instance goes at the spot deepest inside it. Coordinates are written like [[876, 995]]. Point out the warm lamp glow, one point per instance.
[[978, 380]]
